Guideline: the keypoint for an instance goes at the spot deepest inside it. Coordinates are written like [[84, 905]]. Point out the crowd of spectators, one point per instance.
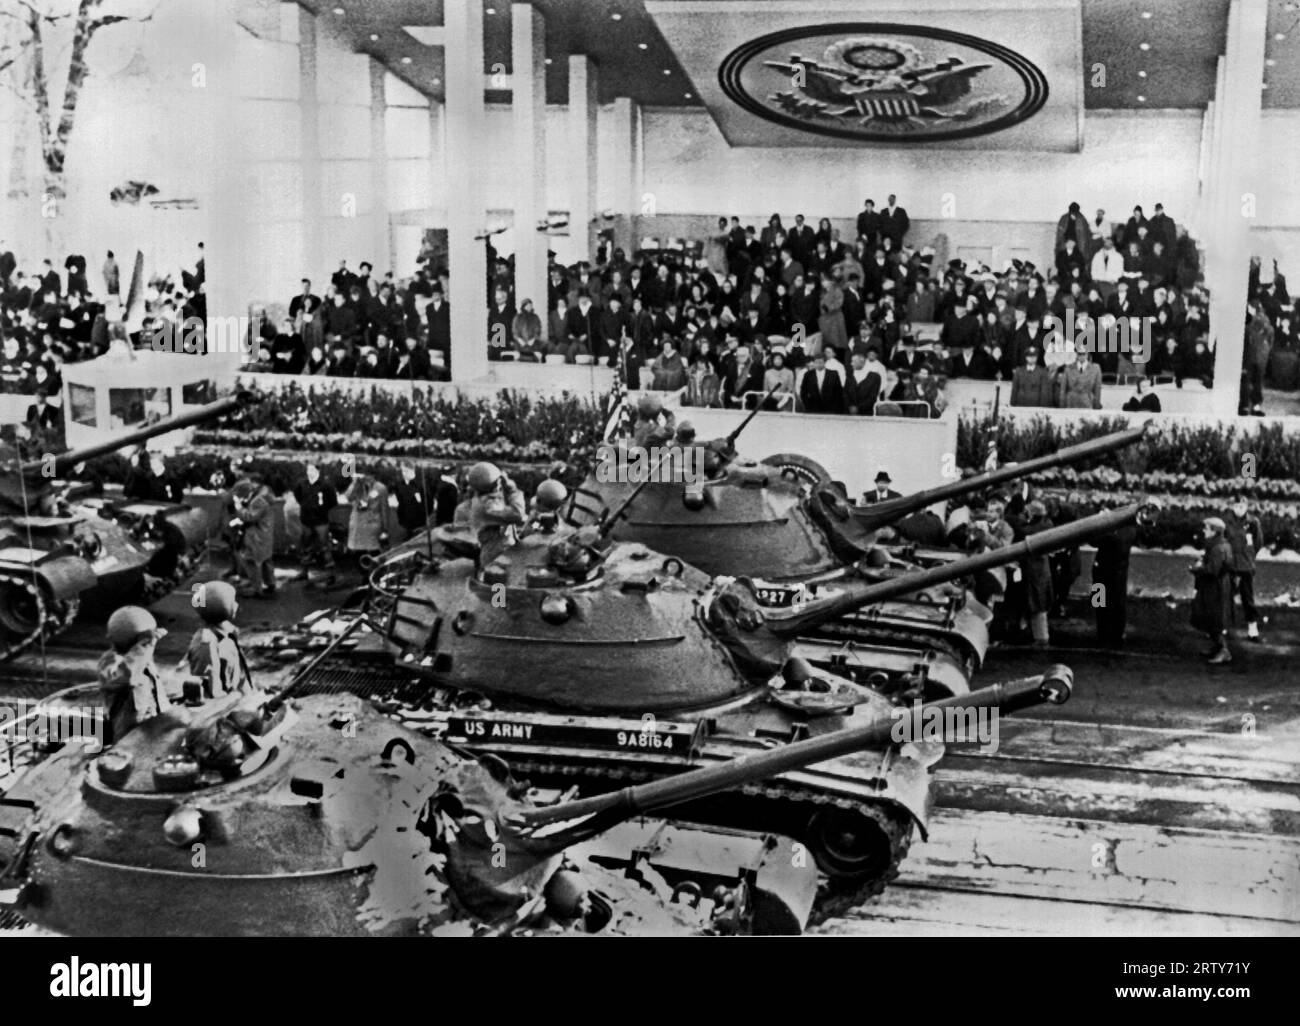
[[49, 318], [835, 325]]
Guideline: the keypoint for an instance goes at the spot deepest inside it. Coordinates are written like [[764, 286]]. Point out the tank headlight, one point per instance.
[[557, 608], [183, 826]]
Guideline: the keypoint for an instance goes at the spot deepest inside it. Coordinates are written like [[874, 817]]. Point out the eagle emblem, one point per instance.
[[882, 84]]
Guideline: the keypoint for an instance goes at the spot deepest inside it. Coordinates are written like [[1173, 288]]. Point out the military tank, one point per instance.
[[60, 550], [786, 525], [320, 816], [598, 662]]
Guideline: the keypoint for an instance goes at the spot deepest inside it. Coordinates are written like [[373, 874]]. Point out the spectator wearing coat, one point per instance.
[[821, 391], [370, 523], [1037, 572], [1079, 385], [1212, 607], [1032, 385], [254, 517], [1245, 535]]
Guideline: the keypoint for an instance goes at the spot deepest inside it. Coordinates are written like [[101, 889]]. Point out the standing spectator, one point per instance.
[[316, 498], [1031, 385], [780, 377], [414, 499], [1107, 269], [894, 223], [869, 224], [862, 388], [830, 320], [1259, 343], [438, 315], [1073, 225], [1079, 384], [1162, 228], [254, 517], [1245, 535], [744, 375], [370, 523], [821, 390], [1100, 230], [1212, 607], [1110, 571], [446, 497], [41, 416], [112, 277], [1037, 573]]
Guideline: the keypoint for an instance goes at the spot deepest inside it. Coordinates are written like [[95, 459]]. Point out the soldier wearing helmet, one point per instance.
[[654, 425], [128, 677], [214, 655], [547, 503], [496, 507]]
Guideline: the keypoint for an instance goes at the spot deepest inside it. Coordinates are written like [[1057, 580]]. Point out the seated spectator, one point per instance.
[[501, 319], [413, 363], [557, 343], [780, 377], [41, 416], [742, 376], [527, 332], [288, 356], [669, 370], [702, 383], [1142, 401]]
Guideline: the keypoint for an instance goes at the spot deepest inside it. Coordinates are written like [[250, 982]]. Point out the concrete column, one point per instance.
[[528, 110], [228, 286], [465, 169], [309, 155], [382, 246], [582, 146], [1230, 225], [628, 163]]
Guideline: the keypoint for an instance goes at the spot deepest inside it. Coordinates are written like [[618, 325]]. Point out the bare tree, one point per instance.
[[26, 65]]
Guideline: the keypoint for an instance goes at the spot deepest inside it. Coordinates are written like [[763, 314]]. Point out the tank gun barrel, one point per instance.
[[211, 411], [1053, 686], [731, 438], [857, 597], [881, 513]]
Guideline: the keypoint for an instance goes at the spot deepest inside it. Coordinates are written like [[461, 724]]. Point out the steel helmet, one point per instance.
[[551, 495], [686, 431], [484, 476], [216, 602], [648, 407], [127, 624]]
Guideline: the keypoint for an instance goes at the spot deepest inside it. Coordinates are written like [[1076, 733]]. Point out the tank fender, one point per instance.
[[189, 526], [65, 577]]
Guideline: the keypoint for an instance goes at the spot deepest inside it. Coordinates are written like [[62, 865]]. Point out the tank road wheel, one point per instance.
[[799, 468], [856, 845], [22, 610]]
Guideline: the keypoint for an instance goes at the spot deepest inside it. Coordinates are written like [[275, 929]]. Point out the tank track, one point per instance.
[[833, 898], [55, 617]]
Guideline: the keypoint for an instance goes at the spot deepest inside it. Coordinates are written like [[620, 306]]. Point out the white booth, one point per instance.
[[118, 392]]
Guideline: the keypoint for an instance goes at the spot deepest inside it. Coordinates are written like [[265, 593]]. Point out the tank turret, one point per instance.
[[334, 820], [56, 555]]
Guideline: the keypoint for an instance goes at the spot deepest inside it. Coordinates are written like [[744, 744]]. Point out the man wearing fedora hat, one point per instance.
[[883, 492]]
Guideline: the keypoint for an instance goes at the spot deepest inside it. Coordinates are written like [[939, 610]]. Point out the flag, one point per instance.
[[618, 417]]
